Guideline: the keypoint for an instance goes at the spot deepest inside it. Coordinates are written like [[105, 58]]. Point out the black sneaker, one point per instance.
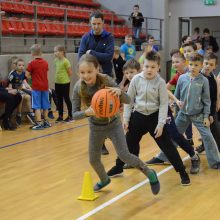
[[31, 118], [195, 165], [38, 126], [127, 166], [190, 141], [156, 161], [98, 186], [115, 171], [18, 120], [59, 119], [104, 150], [200, 149], [46, 124], [154, 182], [50, 115], [68, 119], [185, 180]]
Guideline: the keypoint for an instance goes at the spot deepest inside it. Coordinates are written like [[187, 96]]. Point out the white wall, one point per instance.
[[187, 8]]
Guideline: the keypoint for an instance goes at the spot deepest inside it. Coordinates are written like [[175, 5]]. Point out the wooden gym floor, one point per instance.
[[41, 176]]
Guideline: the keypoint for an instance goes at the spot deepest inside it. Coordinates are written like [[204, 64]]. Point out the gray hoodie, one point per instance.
[[147, 96], [194, 93]]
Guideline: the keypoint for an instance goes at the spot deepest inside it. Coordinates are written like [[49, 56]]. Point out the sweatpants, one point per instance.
[[62, 93], [140, 125], [114, 131]]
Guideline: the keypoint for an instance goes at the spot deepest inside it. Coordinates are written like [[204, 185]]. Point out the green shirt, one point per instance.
[[62, 65]]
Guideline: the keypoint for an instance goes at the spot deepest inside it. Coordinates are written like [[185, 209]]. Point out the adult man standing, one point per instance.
[[100, 44], [209, 40]]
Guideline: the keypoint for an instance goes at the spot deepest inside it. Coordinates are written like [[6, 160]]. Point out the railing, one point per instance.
[[29, 28]]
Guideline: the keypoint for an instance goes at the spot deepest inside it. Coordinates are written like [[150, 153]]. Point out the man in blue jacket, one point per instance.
[[98, 43]]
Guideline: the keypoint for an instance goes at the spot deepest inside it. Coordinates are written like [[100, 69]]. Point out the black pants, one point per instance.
[[140, 125], [11, 102], [215, 129], [62, 93]]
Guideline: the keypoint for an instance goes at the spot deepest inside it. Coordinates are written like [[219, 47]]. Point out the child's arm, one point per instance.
[[76, 105], [129, 107], [218, 93], [205, 99], [26, 85], [28, 74], [69, 71], [68, 67]]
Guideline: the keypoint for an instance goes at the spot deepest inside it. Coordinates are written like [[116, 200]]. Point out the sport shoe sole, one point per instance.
[[99, 186], [155, 184], [116, 175]]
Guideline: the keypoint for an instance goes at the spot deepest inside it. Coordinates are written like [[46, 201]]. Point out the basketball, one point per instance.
[[104, 104]]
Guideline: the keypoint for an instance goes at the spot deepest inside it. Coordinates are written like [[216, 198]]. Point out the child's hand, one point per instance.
[[158, 132], [218, 105], [211, 119], [89, 111], [180, 104], [114, 91], [206, 122], [125, 126]]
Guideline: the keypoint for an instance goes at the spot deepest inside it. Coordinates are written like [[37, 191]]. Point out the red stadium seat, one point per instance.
[[18, 8], [48, 10], [29, 26], [16, 25], [51, 27], [60, 26], [40, 9], [57, 11], [6, 26], [41, 27], [28, 9], [7, 6], [73, 29]]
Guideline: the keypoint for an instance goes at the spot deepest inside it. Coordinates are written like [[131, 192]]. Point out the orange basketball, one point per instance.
[[104, 104]]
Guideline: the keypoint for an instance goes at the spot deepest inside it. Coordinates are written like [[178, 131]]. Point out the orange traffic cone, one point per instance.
[[87, 189]]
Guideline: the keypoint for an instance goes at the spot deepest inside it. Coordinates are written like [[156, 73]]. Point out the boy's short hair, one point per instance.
[[190, 44], [184, 38], [128, 36], [36, 49], [196, 57], [179, 55], [174, 51], [116, 49], [211, 56], [18, 60], [136, 6], [132, 64], [153, 56], [96, 14], [206, 30], [197, 29]]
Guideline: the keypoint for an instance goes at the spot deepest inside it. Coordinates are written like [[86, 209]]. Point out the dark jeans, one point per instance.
[[140, 125], [188, 132], [62, 93], [11, 102], [215, 129]]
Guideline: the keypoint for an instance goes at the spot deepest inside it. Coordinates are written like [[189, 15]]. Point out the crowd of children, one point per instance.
[[148, 103]]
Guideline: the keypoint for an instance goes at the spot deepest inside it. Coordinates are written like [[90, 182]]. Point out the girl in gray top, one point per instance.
[[101, 128]]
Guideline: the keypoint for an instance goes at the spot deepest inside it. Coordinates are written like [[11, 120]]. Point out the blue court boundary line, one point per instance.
[[42, 136]]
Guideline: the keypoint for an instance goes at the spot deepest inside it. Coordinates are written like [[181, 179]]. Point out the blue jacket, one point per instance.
[[103, 50], [194, 94]]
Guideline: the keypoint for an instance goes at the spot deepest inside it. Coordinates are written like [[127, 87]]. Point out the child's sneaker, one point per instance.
[[31, 117], [115, 171], [127, 166], [68, 119], [154, 182], [46, 124], [195, 165], [50, 115], [59, 119], [98, 186], [200, 148], [38, 126], [185, 180], [18, 120]]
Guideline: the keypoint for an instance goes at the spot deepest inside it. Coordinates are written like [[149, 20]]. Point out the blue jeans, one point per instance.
[[136, 32], [212, 154], [175, 136]]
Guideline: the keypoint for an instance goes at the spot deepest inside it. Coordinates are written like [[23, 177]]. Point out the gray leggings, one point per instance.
[[113, 131]]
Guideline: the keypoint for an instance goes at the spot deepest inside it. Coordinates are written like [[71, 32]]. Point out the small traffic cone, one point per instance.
[[87, 189]]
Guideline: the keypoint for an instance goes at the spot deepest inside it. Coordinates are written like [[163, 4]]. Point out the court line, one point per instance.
[[113, 200], [42, 136]]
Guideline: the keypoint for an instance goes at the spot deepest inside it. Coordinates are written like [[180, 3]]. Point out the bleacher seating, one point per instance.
[[19, 18]]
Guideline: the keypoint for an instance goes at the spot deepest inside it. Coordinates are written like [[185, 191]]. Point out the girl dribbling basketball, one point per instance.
[[101, 127]]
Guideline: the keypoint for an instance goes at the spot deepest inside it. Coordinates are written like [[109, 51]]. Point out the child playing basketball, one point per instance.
[[101, 128], [147, 112], [37, 69]]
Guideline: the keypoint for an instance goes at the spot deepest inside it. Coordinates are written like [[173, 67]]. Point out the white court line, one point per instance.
[[108, 203]]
